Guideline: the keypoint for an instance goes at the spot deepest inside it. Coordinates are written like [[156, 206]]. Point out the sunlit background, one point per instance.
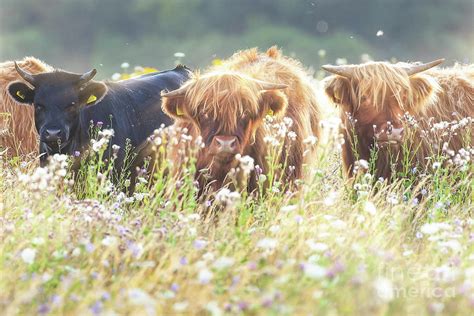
[[79, 34]]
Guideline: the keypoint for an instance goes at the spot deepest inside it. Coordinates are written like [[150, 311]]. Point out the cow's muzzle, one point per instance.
[[389, 134], [224, 146]]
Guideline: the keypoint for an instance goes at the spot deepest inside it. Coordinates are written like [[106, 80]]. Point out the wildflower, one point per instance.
[[227, 197], [205, 276], [314, 271], [139, 297], [37, 241], [310, 140], [246, 163], [316, 246], [180, 306], [267, 243], [341, 61], [223, 263], [213, 308], [392, 199], [125, 65], [200, 244], [109, 241], [370, 208], [379, 33], [179, 55], [321, 53], [28, 255]]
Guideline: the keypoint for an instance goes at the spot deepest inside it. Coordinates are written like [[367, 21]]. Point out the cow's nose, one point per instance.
[[225, 144], [52, 135], [390, 133]]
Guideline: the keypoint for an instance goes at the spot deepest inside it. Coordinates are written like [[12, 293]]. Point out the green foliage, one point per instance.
[[77, 34]]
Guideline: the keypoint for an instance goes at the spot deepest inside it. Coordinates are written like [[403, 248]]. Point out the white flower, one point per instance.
[[125, 65], [433, 228], [384, 289], [37, 241], [28, 255], [223, 263], [321, 53], [213, 308], [370, 208], [246, 163], [316, 246], [180, 306], [267, 243], [314, 271], [227, 197], [341, 61], [379, 33], [109, 241], [139, 297], [205, 276], [179, 55], [330, 199]]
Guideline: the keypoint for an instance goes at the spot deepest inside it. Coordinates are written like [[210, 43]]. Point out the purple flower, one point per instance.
[[43, 309], [243, 305], [199, 244], [100, 124], [77, 153], [96, 308], [174, 287], [183, 261], [252, 265]]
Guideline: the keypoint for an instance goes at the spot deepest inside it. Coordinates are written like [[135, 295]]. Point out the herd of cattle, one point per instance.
[[226, 106]]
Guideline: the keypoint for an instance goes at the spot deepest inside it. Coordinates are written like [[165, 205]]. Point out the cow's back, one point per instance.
[[303, 106], [456, 94], [17, 126], [132, 108]]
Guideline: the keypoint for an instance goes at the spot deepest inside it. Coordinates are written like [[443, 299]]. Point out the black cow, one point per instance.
[[66, 103]]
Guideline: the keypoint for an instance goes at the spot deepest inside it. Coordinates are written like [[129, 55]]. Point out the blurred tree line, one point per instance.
[[78, 34]]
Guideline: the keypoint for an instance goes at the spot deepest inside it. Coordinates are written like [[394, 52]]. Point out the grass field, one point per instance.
[[334, 247]]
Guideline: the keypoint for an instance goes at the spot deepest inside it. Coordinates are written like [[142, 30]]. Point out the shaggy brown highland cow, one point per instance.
[[227, 104], [379, 100], [17, 127]]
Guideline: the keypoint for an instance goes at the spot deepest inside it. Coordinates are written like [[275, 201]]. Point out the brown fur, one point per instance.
[[379, 92], [17, 128], [225, 96]]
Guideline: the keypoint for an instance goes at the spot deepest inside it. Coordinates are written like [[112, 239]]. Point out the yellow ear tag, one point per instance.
[[270, 112], [179, 111], [91, 99], [20, 94]]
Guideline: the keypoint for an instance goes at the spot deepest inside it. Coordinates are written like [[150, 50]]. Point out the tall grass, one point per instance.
[[328, 247]]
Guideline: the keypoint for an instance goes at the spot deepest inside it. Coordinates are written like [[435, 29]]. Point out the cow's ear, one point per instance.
[[338, 89], [92, 93], [173, 106], [424, 91], [274, 102], [20, 92]]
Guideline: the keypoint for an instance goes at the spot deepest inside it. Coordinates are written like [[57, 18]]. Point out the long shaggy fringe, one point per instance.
[[226, 91], [17, 127], [380, 80]]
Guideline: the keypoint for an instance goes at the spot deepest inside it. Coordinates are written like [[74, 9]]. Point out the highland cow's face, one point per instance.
[[225, 111]]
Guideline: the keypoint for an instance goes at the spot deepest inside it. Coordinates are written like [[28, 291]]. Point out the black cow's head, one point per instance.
[[58, 97]]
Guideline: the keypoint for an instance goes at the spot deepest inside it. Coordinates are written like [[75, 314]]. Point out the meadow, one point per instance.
[[330, 246]]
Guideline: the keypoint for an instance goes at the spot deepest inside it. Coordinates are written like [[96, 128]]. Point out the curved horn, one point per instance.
[[417, 68], [175, 93], [264, 85], [344, 71], [25, 74], [87, 76]]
